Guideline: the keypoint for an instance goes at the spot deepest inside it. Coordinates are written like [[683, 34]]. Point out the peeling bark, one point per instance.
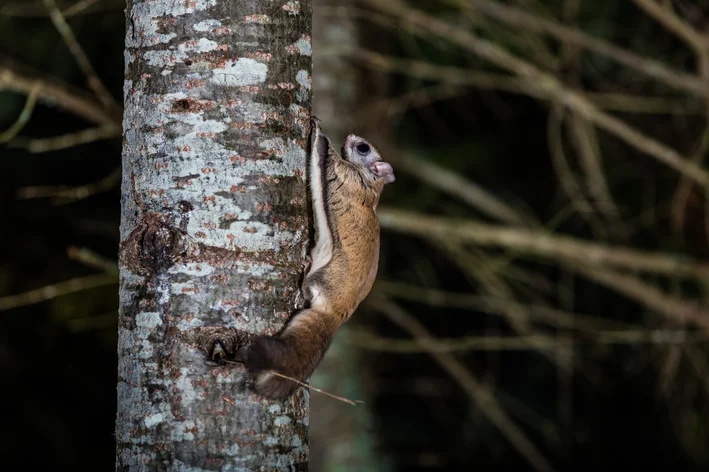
[[213, 229]]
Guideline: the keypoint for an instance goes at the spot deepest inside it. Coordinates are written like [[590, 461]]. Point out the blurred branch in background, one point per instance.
[[490, 304], [107, 114], [22, 79], [567, 180], [699, 42], [58, 289], [547, 85], [539, 243], [518, 18], [62, 194], [481, 395], [17, 78], [371, 341], [57, 143], [24, 117], [91, 259], [643, 65], [109, 276], [460, 187], [507, 83], [30, 8], [578, 108], [77, 51]]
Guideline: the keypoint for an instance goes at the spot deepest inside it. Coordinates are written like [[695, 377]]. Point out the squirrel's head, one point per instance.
[[361, 152]]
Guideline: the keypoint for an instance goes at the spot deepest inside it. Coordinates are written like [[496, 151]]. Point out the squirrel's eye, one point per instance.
[[363, 148]]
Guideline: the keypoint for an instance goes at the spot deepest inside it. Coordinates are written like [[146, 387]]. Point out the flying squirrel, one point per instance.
[[343, 262]]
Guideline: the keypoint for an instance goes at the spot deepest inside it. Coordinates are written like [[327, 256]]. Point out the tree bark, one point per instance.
[[214, 229]]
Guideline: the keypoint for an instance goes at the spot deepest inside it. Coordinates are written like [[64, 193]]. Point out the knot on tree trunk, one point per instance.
[[154, 245]]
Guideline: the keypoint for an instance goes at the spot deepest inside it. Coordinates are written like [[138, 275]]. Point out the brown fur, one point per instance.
[[351, 189]]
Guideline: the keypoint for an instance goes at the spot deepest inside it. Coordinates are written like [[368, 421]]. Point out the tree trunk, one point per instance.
[[214, 229]]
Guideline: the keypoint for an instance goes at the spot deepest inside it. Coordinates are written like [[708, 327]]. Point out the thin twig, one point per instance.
[[667, 18], [507, 83], [673, 308], [57, 143], [700, 44], [478, 268], [685, 185], [428, 71], [69, 38], [548, 85], [645, 104], [584, 136], [516, 17], [568, 181], [24, 117], [303, 384], [62, 194], [79, 7], [530, 44], [649, 67], [306, 385], [21, 8], [22, 79], [416, 98], [91, 259], [454, 184], [491, 305], [105, 321], [570, 56], [482, 396], [52, 291], [368, 340], [698, 361]]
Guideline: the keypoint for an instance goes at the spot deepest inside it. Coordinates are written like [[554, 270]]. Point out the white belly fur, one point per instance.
[[321, 254]]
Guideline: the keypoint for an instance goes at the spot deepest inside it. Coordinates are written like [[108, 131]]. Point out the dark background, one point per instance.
[[633, 405]]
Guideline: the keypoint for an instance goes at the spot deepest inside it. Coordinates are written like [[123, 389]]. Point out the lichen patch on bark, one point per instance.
[[243, 71]]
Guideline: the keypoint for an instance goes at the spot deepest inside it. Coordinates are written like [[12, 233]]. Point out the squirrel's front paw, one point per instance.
[[221, 344], [307, 263]]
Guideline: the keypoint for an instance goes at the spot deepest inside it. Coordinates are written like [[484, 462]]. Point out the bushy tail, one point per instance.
[[295, 353]]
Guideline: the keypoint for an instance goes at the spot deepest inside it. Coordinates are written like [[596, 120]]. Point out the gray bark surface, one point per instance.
[[214, 228]]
